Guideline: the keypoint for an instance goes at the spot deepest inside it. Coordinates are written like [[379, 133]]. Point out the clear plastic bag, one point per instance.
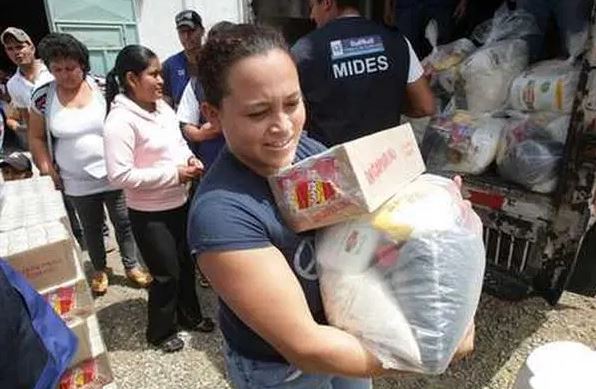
[[546, 86], [442, 64], [407, 279], [487, 74], [506, 24], [462, 142], [531, 151]]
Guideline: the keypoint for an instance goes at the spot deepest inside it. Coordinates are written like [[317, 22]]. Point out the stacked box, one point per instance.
[[348, 180], [91, 343], [36, 239], [45, 254], [30, 203]]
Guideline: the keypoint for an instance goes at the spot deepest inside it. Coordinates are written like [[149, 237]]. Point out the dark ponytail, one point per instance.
[[132, 58], [112, 87]]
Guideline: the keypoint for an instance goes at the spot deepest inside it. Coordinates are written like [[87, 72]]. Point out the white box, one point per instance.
[[347, 180]]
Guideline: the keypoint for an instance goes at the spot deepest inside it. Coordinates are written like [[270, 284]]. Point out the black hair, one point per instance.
[[346, 3], [219, 54], [59, 45], [220, 28], [132, 58]]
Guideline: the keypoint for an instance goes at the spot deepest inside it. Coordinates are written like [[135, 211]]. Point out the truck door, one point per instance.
[[104, 27]]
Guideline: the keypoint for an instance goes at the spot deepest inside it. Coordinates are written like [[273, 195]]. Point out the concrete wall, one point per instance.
[[156, 20]]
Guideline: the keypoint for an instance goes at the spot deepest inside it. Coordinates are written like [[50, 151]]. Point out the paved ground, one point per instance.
[[506, 333]]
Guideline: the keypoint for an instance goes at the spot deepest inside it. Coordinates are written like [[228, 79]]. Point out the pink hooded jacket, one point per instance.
[[143, 151]]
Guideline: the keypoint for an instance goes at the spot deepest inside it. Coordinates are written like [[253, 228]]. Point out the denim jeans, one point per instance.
[[251, 374], [91, 214], [571, 17]]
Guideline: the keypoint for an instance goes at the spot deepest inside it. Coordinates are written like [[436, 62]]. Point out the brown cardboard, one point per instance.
[[48, 265], [347, 180]]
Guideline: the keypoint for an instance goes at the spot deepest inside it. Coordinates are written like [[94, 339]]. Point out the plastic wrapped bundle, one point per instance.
[[487, 74], [506, 24], [443, 64], [407, 279], [462, 142], [547, 86], [531, 151], [448, 56]]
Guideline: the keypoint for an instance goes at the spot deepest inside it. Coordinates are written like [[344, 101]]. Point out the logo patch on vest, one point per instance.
[[370, 51]]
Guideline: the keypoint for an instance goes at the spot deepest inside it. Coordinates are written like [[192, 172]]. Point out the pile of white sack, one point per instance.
[[490, 98]]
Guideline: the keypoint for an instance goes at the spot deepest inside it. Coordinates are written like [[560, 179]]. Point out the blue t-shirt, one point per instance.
[[175, 76], [234, 209]]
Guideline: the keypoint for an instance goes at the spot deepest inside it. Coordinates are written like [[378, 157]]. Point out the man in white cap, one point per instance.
[[30, 72]]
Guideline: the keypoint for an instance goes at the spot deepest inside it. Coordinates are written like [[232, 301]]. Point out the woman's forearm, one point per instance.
[[329, 350]]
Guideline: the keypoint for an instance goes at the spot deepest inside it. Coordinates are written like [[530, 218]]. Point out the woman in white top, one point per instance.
[[66, 138]]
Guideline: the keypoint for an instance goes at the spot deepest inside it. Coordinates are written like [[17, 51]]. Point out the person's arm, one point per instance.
[[13, 119], [419, 99], [277, 310], [389, 12], [38, 145], [189, 115], [24, 115]]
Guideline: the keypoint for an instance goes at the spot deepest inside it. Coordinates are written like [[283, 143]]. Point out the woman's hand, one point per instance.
[[466, 346], [194, 169]]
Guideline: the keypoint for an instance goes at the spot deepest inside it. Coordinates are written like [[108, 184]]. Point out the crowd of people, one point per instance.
[[178, 153]]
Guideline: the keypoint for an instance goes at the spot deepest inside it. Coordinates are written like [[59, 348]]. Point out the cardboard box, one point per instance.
[[90, 341], [45, 255], [92, 373], [70, 300], [31, 202], [347, 180]]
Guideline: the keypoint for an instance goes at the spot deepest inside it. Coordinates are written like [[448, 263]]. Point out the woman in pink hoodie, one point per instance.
[[148, 158]]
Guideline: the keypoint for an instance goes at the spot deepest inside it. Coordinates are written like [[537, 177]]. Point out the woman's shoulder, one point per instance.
[[307, 147], [40, 97]]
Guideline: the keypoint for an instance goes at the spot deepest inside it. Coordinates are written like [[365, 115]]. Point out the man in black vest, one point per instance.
[[357, 76]]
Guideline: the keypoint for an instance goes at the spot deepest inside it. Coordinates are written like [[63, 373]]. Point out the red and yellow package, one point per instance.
[[80, 376], [63, 300]]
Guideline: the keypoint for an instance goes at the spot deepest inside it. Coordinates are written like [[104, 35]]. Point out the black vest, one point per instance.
[[353, 74]]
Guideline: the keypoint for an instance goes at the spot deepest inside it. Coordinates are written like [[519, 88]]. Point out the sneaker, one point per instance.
[[171, 344], [99, 283], [139, 276]]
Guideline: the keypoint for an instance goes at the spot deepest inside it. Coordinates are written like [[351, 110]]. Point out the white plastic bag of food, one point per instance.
[[448, 56], [531, 151], [462, 142], [546, 86], [442, 64], [407, 279], [506, 24], [487, 74]]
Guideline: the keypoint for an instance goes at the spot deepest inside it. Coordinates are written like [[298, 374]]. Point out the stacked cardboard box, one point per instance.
[[35, 238]]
